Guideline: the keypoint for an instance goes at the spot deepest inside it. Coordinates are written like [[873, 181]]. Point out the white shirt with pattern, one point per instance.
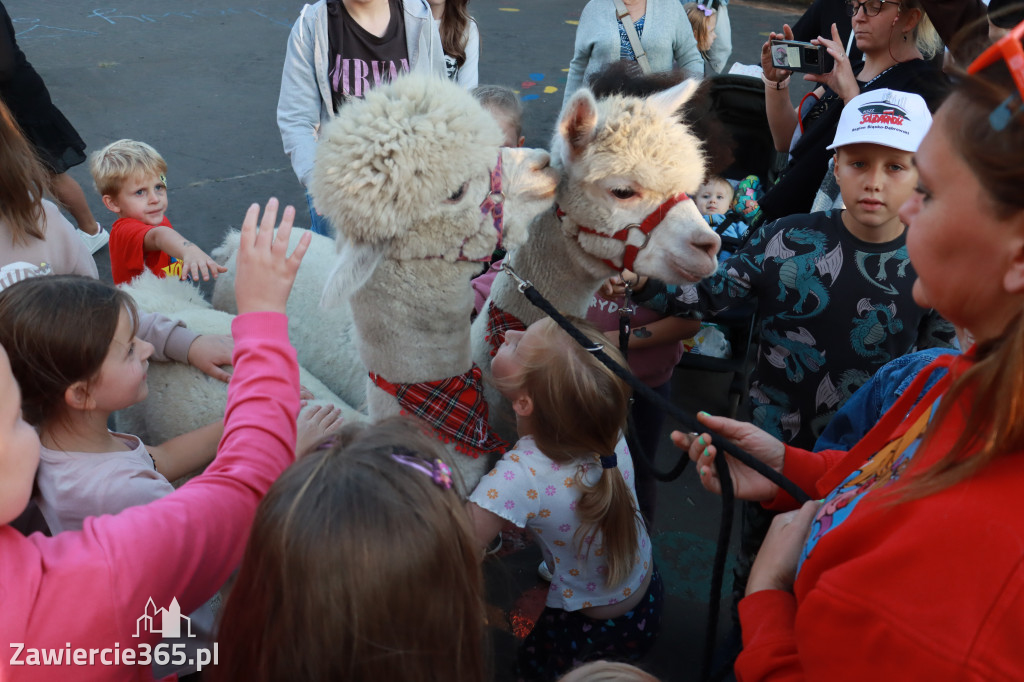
[[534, 492]]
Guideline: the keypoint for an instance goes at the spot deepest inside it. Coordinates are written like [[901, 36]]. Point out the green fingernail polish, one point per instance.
[[702, 412], [701, 440], [706, 453]]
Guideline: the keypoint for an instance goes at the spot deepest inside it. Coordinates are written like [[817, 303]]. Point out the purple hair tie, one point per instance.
[[437, 470], [706, 10]]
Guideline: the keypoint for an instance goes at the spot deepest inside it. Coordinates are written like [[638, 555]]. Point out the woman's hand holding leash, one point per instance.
[[748, 484]]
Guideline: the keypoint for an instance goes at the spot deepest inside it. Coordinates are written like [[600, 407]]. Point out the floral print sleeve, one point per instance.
[[509, 490]]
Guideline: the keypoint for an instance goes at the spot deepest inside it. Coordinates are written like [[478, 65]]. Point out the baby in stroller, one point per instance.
[[729, 210]]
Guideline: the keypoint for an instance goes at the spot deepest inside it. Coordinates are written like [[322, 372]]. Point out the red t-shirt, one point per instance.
[[128, 256]]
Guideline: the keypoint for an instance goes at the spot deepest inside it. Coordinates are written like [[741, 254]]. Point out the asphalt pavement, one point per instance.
[[199, 79]]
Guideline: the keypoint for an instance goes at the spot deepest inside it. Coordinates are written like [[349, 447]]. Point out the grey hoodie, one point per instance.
[[304, 104]]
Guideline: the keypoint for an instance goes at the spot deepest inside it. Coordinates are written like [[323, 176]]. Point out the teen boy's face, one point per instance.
[[142, 197], [874, 181]]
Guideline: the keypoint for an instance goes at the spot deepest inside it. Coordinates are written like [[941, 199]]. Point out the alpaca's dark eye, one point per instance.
[[623, 192], [457, 195]]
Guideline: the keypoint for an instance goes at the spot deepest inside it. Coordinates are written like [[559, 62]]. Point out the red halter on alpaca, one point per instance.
[[646, 227]]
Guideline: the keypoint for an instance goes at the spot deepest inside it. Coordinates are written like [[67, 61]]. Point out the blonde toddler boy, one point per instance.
[[131, 178]]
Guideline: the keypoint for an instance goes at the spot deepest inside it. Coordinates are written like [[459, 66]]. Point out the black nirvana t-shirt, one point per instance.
[[364, 60]]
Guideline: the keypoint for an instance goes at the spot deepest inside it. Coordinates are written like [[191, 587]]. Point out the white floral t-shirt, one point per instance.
[[532, 491]]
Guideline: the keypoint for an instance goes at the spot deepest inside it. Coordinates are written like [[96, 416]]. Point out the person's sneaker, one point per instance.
[[544, 572], [97, 241]]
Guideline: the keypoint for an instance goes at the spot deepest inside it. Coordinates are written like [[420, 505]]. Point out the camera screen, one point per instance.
[[786, 56]]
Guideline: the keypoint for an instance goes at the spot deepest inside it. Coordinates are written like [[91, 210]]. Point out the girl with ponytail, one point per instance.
[[569, 480]]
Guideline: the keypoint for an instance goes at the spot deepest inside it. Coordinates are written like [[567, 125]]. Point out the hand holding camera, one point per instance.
[[794, 55], [781, 56], [772, 72]]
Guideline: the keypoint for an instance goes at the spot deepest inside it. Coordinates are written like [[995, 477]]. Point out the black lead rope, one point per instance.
[[690, 423]]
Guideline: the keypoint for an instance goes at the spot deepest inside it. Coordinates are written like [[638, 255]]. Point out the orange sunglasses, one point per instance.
[[1009, 49]]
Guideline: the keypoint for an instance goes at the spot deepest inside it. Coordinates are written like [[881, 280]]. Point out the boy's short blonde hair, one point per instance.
[[122, 160]]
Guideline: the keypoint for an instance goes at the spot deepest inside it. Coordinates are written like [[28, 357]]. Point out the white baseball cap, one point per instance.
[[887, 117]]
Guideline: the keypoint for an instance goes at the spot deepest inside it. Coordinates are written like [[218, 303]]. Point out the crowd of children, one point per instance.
[[357, 558]]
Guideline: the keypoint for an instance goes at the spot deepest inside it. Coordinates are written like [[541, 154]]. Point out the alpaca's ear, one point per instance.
[[578, 123], [669, 101], [353, 267]]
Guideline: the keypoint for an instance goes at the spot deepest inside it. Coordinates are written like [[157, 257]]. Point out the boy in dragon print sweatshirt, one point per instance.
[[832, 290]]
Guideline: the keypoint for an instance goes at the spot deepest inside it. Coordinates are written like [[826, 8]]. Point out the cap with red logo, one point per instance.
[[887, 117]]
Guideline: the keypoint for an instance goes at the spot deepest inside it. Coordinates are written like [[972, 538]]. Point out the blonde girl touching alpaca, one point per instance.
[[569, 480]]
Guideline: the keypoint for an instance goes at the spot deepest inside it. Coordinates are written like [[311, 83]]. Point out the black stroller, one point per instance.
[[738, 104]]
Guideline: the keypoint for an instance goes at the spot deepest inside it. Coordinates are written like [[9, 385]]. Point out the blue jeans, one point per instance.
[[318, 223]]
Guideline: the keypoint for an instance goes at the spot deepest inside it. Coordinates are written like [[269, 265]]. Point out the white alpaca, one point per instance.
[[622, 160], [403, 175], [181, 398], [324, 336]]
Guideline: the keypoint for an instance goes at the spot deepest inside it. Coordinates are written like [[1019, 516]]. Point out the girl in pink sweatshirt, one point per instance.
[[77, 605]]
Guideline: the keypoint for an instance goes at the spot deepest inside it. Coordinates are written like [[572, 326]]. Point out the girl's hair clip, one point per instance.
[[609, 462], [437, 470], [706, 10], [597, 347]]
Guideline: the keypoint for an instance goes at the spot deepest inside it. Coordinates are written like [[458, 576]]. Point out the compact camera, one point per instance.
[[798, 56]]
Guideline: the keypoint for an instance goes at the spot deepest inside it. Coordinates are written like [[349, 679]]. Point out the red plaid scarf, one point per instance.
[[499, 322], [454, 407]]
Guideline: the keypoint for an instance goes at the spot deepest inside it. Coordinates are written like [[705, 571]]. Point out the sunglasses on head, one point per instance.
[[1009, 49]]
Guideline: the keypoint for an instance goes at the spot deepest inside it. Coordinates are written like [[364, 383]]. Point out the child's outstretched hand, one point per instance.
[[265, 272], [315, 422], [196, 262]]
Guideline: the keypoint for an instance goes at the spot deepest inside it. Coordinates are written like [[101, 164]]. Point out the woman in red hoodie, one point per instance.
[[912, 566]]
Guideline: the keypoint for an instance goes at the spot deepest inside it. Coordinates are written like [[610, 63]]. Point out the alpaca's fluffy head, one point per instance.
[[641, 140], [621, 159], [407, 168]]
